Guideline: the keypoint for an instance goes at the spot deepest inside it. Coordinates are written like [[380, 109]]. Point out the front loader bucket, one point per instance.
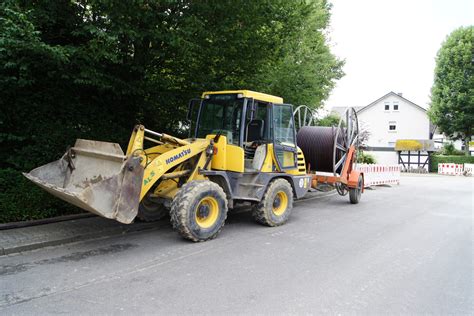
[[95, 176]]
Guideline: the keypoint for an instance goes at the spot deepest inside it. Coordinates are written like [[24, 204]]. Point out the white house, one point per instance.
[[388, 119]]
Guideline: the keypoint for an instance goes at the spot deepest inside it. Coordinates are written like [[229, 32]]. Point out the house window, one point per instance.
[[395, 106], [392, 126], [387, 106]]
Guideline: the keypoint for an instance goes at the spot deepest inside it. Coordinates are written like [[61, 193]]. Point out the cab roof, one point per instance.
[[248, 94]]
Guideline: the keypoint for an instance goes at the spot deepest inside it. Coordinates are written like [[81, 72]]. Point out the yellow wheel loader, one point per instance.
[[243, 149]]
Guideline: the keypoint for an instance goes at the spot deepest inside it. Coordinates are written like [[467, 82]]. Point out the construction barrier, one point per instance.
[[452, 169], [375, 174]]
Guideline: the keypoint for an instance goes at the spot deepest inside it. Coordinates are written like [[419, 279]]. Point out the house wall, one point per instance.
[[385, 157], [410, 122]]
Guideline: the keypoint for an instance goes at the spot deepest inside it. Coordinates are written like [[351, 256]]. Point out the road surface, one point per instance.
[[406, 249]]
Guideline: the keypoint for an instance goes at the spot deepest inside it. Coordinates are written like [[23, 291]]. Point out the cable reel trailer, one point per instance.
[[331, 152]]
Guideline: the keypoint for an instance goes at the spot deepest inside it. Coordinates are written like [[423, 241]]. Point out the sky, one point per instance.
[[390, 45]]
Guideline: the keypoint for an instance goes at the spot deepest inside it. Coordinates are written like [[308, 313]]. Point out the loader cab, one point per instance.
[[251, 121], [221, 114]]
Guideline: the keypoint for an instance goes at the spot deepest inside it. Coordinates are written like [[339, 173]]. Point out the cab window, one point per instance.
[[221, 114], [257, 127]]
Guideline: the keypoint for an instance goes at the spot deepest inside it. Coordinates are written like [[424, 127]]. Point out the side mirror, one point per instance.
[[191, 105]]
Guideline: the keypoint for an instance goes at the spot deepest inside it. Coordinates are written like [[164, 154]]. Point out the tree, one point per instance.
[[76, 68], [304, 71], [331, 119], [364, 135], [452, 94]]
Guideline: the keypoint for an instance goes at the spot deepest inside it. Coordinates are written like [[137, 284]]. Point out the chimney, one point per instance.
[[400, 94]]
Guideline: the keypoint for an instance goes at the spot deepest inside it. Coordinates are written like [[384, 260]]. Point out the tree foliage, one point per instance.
[[452, 94], [448, 149], [94, 68], [331, 119]]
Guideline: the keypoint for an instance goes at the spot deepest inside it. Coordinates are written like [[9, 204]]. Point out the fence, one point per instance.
[[375, 174]]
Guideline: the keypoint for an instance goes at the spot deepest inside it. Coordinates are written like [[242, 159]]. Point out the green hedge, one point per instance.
[[21, 200], [436, 159]]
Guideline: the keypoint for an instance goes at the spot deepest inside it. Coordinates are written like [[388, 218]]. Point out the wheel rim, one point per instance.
[[341, 188], [280, 203], [303, 116], [207, 212]]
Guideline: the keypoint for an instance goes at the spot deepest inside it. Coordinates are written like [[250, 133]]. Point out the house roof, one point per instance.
[[391, 93]]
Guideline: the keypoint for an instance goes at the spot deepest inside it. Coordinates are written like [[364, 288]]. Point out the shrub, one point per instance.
[[449, 150], [436, 159], [22, 200], [332, 119], [363, 157]]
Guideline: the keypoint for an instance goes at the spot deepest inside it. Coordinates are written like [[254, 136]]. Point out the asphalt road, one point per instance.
[[405, 249]]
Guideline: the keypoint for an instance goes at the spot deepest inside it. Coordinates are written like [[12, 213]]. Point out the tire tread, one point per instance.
[[144, 216], [261, 211], [182, 201]]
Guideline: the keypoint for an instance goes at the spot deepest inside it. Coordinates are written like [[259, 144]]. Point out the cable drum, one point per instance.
[[317, 144]]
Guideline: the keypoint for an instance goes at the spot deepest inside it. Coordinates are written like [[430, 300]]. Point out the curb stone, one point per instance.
[[119, 230]]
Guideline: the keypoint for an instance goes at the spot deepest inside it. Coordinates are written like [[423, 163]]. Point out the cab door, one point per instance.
[[284, 136]]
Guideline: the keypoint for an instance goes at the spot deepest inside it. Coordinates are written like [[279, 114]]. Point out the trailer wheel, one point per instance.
[[199, 210], [149, 211], [276, 206], [356, 193]]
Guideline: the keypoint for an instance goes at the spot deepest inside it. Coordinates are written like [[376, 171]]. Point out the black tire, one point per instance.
[[149, 211], [356, 193], [193, 210], [270, 211]]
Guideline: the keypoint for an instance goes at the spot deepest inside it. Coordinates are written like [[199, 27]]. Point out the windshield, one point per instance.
[[221, 113]]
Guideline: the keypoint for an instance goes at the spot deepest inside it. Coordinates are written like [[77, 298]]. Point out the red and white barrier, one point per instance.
[[375, 174], [452, 169]]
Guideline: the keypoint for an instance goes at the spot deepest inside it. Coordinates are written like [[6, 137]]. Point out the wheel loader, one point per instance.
[[242, 148]]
